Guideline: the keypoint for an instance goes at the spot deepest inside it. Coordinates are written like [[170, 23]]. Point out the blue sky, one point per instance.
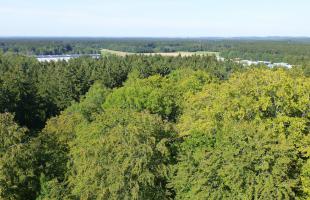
[[155, 18]]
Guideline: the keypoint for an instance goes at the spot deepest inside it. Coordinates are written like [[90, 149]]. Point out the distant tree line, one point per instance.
[[292, 50]]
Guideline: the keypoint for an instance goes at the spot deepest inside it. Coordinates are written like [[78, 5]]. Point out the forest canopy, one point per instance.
[[153, 127]]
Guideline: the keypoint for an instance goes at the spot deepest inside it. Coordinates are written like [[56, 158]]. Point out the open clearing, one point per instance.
[[174, 54]]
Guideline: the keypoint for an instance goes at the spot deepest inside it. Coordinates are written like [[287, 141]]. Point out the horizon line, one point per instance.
[[159, 37]]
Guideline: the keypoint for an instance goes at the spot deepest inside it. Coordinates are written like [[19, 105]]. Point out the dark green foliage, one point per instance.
[[36, 91], [18, 92]]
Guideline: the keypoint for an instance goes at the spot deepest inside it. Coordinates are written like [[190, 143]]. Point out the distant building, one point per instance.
[[267, 63], [270, 65], [282, 65], [264, 62], [49, 58], [244, 62], [248, 62], [221, 59]]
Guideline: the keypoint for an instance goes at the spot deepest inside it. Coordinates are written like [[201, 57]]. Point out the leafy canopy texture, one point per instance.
[[122, 154], [159, 95], [55, 139], [238, 161], [17, 174], [247, 138], [177, 128]]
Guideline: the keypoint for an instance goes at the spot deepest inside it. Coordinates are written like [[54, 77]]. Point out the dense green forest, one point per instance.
[[154, 127]]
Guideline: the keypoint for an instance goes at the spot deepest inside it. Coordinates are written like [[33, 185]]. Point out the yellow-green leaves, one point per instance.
[[123, 154], [254, 95], [246, 138], [159, 95], [11, 135], [16, 162]]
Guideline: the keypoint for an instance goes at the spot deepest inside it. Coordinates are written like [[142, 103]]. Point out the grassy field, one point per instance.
[[105, 52]]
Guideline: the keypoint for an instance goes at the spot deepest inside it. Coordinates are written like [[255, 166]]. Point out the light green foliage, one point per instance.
[[188, 82], [305, 178], [121, 155], [257, 95], [64, 126], [157, 94], [10, 133], [17, 174], [246, 138], [237, 161], [51, 190], [154, 94], [90, 104], [59, 132]]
